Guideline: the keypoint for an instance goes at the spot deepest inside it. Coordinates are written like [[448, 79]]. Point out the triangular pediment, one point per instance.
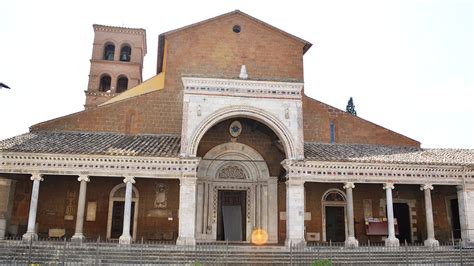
[[306, 44]]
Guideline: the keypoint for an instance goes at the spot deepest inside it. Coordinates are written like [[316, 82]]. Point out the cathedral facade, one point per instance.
[[220, 144]]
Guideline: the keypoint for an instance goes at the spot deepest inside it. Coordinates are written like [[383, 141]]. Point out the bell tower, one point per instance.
[[116, 63]]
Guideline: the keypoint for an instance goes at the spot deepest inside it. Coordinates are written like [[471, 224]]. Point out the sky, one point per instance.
[[407, 64]]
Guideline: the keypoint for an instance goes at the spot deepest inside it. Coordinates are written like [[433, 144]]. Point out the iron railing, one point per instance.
[[100, 252]]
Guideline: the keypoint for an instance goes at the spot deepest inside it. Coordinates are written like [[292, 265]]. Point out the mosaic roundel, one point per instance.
[[235, 129]]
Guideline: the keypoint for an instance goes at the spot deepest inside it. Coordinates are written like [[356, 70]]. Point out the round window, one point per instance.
[[236, 28]]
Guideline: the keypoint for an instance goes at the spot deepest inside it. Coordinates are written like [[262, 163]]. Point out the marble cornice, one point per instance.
[[97, 165]]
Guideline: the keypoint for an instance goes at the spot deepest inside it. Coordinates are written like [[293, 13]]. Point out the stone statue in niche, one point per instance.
[[69, 212], [160, 204]]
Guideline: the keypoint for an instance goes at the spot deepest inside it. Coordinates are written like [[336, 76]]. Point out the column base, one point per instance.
[[186, 241], [125, 240], [78, 238], [351, 242], [392, 242], [295, 242], [431, 242], [27, 237], [468, 243]]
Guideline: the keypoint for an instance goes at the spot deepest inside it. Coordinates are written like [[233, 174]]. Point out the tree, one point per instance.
[[350, 108]]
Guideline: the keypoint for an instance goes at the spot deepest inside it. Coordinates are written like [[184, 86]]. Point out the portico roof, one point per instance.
[[106, 143], [93, 143], [368, 153]]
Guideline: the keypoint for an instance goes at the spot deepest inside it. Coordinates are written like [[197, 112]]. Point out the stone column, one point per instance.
[[466, 213], [81, 205], [30, 232], [187, 211], [351, 241], [294, 212], [126, 238], [272, 210], [391, 241], [430, 241]]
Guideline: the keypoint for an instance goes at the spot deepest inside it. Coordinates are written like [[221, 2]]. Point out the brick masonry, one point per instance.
[[212, 49]]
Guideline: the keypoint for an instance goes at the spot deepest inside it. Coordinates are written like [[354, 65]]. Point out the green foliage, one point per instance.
[[350, 108], [324, 262]]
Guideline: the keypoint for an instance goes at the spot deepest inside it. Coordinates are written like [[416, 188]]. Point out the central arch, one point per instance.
[[236, 167], [291, 149]]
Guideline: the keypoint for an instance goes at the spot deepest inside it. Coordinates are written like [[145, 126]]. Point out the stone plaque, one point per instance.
[[70, 203], [91, 211], [367, 208]]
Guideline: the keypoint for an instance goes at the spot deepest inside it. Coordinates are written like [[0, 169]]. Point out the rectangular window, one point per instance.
[[331, 127]]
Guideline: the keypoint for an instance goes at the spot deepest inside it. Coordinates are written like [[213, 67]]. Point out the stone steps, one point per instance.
[[112, 254]]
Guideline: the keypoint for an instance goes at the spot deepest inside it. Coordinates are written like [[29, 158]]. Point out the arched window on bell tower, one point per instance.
[[122, 84], [109, 51], [105, 82], [125, 53]]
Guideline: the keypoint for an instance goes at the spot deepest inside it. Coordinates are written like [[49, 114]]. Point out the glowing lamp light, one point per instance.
[[259, 236]]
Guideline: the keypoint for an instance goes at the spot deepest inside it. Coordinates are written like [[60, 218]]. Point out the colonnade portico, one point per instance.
[[187, 210], [295, 206], [295, 222]]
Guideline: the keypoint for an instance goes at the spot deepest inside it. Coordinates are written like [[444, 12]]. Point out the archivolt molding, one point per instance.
[[317, 171], [292, 148], [97, 165], [247, 159]]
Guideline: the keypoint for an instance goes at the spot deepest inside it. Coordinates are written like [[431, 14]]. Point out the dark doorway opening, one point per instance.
[[401, 211], [455, 224], [335, 227], [231, 215], [117, 219]]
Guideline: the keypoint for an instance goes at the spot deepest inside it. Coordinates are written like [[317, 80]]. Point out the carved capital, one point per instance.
[[388, 186], [187, 181], [350, 185], [36, 177], [84, 178], [294, 182], [426, 186], [129, 179]]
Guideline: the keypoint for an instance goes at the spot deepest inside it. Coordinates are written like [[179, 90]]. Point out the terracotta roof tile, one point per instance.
[[93, 143], [387, 154], [169, 146]]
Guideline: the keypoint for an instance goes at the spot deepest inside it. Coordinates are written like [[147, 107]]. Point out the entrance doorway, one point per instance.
[[231, 215], [335, 227], [401, 212], [117, 218], [455, 224]]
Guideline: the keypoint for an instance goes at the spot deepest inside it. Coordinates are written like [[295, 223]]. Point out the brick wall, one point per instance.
[[317, 117], [212, 49], [119, 37]]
